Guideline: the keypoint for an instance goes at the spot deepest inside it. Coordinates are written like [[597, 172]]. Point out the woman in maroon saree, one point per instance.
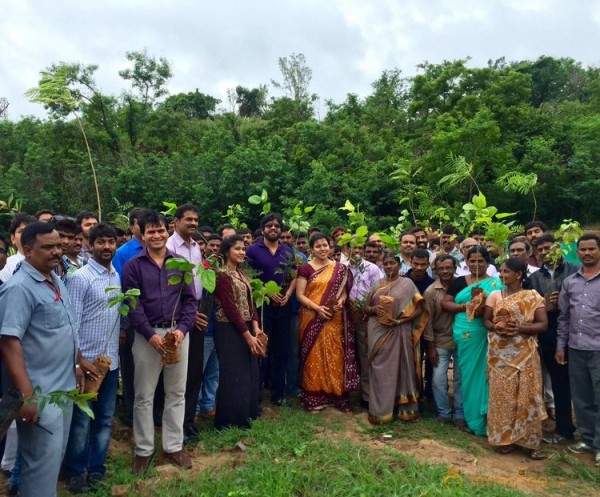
[[327, 354]]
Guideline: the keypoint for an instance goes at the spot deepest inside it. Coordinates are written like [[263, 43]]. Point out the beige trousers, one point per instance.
[[147, 371]]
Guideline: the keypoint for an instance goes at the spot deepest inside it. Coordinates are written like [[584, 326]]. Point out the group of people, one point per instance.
[[394, 327]]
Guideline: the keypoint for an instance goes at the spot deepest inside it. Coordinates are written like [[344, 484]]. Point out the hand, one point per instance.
[[553, 298], [201, 321], [88, 369], [284, 300], [122, 338], [254, 345], [433, 357], [354, 305], [80, 379], [380, 311], [560, 358], [323, 312], [511, 328], [28, 413], [276, 298], [157, 342], [179, 336]]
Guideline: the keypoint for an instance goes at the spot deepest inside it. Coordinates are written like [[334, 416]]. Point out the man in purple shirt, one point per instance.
[[273, 260], [161, 308]]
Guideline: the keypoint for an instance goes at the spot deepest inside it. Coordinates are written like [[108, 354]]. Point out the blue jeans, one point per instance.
[[440, 385], [89, 438], [211, 376]]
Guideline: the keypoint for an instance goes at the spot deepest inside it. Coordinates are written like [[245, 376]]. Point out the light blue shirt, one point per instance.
[[127, 251], [97, 323], [41, 316]]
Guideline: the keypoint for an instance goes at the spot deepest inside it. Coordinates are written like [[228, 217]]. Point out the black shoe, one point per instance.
[[94, 480], [78, 485], [190, 430]]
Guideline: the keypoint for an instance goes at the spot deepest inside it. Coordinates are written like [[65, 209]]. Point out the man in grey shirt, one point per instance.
[[39, 349], [579, 329]]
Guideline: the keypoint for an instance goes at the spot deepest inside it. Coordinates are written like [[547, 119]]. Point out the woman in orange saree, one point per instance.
[[327, 354], [514, 317]]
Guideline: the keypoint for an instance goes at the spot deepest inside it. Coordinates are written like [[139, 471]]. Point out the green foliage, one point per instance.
[[62, 399], [185, 269], [262, 200], [125, 301], [261, 291], [234, 213], [170, 210], [297, 219]]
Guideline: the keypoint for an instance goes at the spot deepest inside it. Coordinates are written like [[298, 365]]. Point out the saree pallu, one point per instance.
[[471, 342], [516, 404], [327, 348], [394, 355]]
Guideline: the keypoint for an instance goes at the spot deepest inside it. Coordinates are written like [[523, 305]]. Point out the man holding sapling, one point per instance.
[[162, 319], [39, 349], [98, 329], [547, 282], [269, 257], [182, 244]]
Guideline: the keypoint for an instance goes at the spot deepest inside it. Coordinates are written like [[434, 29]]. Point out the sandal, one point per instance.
[[505, 449], [537, 455]]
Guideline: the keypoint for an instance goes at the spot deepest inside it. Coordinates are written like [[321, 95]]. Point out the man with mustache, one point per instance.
[[39, 349], [578, 325]]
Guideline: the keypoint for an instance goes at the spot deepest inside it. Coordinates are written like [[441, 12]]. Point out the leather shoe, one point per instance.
[[179, 458], [140, 464]]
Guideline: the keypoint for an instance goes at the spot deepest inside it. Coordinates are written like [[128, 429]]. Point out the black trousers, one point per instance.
[[560, 380], [277, 326], [194, 373]]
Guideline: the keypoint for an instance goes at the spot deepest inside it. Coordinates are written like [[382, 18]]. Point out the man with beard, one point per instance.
[[98, 330], [440, 345], [86, 220], [39, 349], [408, 244], [578, 325], [270, 258]]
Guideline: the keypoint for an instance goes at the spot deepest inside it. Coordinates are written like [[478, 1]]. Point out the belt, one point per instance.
[[164, 324]]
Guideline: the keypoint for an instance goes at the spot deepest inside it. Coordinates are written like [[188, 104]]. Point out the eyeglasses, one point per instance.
[[273, 225]]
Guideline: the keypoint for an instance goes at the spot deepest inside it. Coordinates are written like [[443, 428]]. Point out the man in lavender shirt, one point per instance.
[[365, 276], [158, 305], [182, 244]]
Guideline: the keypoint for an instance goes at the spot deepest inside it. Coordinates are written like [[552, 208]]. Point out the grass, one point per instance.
[[294, 453]]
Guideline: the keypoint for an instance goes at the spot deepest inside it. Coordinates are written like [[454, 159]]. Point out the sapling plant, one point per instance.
[[262, 200], [233, 215], [260, 295], [102, 362], [183, 276]]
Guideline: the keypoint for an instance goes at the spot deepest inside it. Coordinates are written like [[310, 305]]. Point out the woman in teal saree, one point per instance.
[[466, 300]]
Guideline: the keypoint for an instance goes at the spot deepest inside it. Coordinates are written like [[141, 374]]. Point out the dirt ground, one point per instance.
[[474, 464]]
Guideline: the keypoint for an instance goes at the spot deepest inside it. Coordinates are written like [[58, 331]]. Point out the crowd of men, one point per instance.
[[55, 323]]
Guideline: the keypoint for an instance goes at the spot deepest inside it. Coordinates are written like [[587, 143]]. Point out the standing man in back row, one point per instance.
[[182, 244]]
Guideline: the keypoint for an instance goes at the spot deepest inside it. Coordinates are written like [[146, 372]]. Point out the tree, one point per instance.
[[193, 105], [148, 76], [251, 102], [296, 77], [53, 90], [3, 108]]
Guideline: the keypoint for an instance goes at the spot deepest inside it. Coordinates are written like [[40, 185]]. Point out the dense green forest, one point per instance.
[[386, 152]]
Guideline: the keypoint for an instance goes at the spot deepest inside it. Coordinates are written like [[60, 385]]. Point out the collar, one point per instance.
[[280, 245], [36, 275], [437, 284], [180, 242], [99, 268], [580, 273]]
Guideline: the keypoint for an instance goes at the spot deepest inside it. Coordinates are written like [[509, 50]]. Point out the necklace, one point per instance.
[[504, 292]]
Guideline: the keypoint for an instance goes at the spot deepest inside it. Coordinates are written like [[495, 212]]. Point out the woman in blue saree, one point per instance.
[[466, 300]]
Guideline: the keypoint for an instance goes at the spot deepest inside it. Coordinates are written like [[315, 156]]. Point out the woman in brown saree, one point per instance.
[[329, 370], [395, 326], [514, 317]]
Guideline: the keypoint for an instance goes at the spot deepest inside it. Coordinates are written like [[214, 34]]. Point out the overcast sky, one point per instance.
[[216, 45]]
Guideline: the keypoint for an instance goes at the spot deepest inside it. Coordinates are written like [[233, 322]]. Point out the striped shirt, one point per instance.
[[95, 320]]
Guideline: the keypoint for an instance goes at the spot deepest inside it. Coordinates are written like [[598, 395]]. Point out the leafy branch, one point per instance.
[[262, 200], [62, 399], [514, 181]]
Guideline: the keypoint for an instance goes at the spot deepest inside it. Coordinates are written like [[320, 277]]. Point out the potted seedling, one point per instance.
[[183, 276], [260, 295], [206, 271], [103, 362]]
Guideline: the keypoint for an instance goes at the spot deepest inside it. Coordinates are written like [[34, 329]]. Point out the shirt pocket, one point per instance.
[[55, 315]]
